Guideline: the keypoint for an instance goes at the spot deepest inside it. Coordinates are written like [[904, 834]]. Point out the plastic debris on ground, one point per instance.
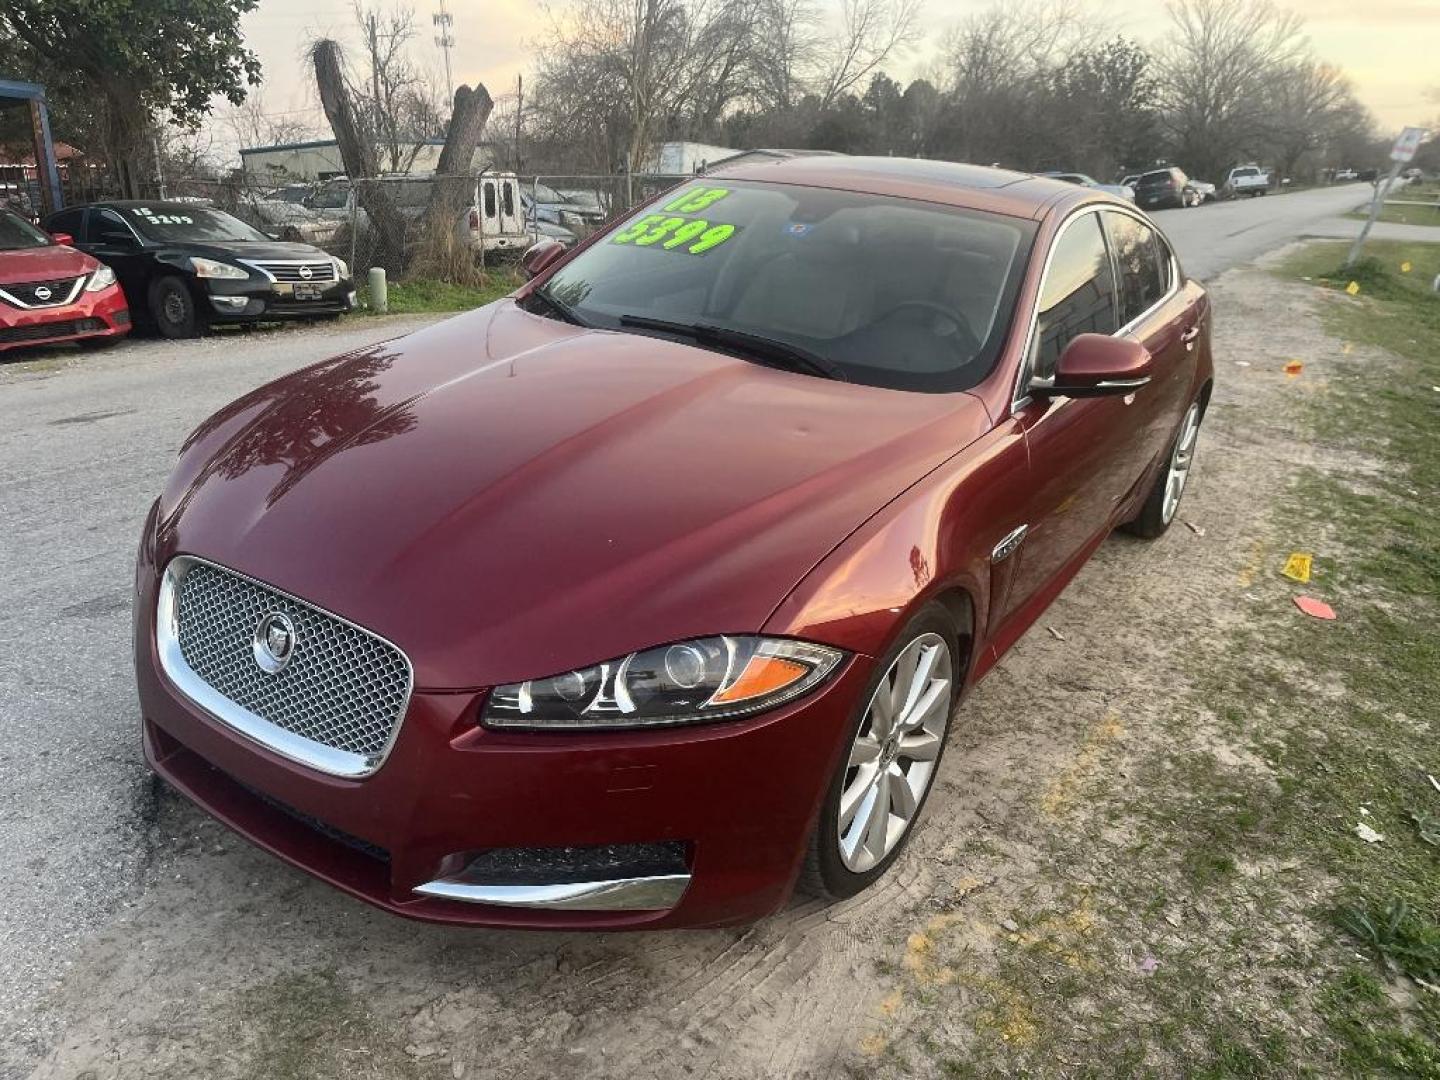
[[1196, 529], [1433, 782], [1405, 267], [1428, 825], [1369, 835], [1297, 567], [1055, 633], [1293, 367], [1149, 964], [1242, 363], [1353, 288], [1316, 609]]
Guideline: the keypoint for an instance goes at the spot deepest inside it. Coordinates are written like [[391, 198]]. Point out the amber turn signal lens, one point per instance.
[[762, 675]]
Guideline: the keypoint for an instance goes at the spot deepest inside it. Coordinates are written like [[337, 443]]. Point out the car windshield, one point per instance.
[[543, 194], [172, 223], [885, 291], [17, 233]]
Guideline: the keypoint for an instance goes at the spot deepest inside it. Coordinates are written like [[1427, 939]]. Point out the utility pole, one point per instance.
[[446, 40], [519, 108]]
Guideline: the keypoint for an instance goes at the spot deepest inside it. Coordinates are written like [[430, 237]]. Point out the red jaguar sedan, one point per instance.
[[49, 292], [650, 591]]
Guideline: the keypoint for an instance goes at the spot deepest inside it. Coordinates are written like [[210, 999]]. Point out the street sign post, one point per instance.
[[1403, 151]]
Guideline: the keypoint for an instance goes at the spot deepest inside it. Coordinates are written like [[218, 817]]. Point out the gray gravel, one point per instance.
[[86, 440]]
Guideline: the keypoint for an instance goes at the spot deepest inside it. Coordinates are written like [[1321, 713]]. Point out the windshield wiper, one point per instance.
[[780, 353], [558, 307]]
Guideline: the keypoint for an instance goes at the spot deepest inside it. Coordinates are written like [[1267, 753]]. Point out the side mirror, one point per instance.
[[62, 238], [1094, 365], [540, 257]]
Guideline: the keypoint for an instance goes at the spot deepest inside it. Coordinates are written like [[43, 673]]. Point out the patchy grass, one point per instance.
[[421, 296], [1213, 912], [308, 1026]]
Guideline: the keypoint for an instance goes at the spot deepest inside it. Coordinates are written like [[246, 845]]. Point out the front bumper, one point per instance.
[[91, 315], [737, 798], [227, 301]]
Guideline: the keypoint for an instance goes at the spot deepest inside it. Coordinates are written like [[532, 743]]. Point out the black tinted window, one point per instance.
[[1078, 296], [1141, 282], [66, 221]]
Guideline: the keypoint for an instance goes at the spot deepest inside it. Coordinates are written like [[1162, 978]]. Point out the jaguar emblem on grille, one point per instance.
[[42, 292], [306, 272], [274, 642]]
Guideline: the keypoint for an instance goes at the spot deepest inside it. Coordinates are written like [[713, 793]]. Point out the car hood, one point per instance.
[[253, 251], [43, 264], [505, 496]]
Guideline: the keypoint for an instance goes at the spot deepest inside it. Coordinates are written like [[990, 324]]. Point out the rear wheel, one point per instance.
[[1163, 502], [892, 752], [173, 309]]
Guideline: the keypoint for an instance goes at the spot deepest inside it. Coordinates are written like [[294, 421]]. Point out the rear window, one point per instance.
[[1156, 179], [896, 292], [1245, 172]]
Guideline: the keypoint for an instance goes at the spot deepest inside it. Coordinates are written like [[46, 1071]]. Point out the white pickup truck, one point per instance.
[[1245, 180]]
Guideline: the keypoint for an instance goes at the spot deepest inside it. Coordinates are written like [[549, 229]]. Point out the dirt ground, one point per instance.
[[229, 964]]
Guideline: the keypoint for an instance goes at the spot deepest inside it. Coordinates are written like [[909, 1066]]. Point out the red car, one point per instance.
[[644, 593], [50, 292]]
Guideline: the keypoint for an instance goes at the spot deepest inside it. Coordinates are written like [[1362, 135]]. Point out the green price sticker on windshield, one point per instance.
[[696, 199], [666, 232]]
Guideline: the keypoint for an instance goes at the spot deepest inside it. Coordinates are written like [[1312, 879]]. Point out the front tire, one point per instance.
[[173, 309], [892, 751], [1163, 502]]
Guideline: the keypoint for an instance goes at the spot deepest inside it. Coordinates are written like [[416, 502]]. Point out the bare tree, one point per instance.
[[870, 33], [1220, 63], [397, 102], [253, 124]]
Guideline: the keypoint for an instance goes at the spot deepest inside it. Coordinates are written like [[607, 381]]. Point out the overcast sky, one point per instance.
[[1390, 48]]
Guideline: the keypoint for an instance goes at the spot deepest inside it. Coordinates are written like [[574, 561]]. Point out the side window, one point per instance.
[[66, 221], [509, 199], [1078, 294], [1167, 264], [1141, 283], [489, 200], [106, 221]]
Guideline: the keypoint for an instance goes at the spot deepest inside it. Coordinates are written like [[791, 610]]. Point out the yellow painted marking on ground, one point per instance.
[[1297, 567], [873, 1045], [1258, 553], [1061, 792], [1353, 288]]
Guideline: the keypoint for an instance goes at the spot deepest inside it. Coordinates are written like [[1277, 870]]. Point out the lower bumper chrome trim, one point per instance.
[[621, 894]]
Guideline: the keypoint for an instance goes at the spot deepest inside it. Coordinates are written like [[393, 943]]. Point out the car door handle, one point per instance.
[[1189, 336]]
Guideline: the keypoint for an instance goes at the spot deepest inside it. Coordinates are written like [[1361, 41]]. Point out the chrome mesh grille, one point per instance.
[[319, 271], [342, 687]]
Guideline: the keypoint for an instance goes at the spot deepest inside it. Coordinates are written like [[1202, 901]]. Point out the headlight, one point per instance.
[[102, 278], [341, 270], [689, 682], [209, 268]]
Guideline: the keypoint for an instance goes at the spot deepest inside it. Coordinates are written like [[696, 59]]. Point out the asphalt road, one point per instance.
[[86, 441]]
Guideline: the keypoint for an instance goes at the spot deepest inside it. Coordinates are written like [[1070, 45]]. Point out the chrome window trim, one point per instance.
[[1019, 395], [297, 748], [9, 298]]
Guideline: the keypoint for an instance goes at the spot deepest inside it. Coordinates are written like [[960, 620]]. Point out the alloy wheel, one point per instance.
[[173, 307], [1181, 458], [893, 758]]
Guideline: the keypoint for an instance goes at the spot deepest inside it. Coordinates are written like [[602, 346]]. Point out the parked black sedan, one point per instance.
[[184, 267]]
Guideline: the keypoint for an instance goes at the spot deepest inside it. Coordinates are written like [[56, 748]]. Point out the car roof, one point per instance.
[[975, 187]]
